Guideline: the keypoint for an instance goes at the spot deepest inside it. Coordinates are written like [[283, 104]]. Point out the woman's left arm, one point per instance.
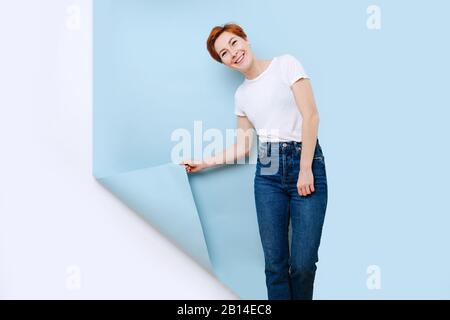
[[304, 99]]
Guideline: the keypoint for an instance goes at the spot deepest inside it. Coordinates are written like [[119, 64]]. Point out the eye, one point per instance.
[[233, 42], [223, 54]]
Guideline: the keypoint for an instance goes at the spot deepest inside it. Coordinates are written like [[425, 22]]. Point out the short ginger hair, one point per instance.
[[217, 31]]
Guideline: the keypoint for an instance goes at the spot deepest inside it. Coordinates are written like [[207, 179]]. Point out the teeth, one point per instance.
[[240, 59]]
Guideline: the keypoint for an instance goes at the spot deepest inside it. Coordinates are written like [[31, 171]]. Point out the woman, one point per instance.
[[290, 181]]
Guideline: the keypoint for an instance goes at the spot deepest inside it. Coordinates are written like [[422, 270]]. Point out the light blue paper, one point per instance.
[[210, 215], [383, 100], [147, 191]]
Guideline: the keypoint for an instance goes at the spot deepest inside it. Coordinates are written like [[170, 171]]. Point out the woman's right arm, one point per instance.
[[230, 155]]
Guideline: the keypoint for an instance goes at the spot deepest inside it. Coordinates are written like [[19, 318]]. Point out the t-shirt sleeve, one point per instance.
[[238, 109], [293, 70]]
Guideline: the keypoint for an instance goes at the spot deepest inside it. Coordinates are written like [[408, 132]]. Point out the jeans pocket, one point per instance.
[[262, 153], [319, 161], [318, 154]]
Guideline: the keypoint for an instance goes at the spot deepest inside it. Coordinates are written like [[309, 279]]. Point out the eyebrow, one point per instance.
[[220, 52]]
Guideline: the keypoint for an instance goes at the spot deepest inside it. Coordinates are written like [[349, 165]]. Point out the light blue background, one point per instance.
[[383, 100]]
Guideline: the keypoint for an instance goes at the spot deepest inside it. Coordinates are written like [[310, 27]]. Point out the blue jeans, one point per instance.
[[290, 268]]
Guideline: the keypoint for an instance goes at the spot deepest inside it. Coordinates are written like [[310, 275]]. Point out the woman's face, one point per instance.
[[234, 51]]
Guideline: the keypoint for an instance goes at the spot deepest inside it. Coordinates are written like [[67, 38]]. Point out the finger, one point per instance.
[[308, 190], [312, 187], [302, 191], [305, 190]]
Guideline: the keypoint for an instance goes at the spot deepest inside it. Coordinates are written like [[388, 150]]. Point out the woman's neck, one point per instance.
[[257, 67]]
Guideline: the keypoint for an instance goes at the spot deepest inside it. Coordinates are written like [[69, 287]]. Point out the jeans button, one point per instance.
[[284, 144]]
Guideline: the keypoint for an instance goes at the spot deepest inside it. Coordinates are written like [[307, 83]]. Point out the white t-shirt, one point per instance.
[[269, 103]]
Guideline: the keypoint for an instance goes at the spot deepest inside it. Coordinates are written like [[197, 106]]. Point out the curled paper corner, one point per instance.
[[225, 243], [163, 197]]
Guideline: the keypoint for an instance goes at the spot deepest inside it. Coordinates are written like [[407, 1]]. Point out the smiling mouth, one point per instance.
[[239, 60]]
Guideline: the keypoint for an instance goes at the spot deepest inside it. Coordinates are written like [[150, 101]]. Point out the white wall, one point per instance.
[[62, 234]]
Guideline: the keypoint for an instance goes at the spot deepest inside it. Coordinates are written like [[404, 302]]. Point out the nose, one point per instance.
[[235, 52]]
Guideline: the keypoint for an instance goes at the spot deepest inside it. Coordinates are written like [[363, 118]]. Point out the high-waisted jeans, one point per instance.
[[289, 268]]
